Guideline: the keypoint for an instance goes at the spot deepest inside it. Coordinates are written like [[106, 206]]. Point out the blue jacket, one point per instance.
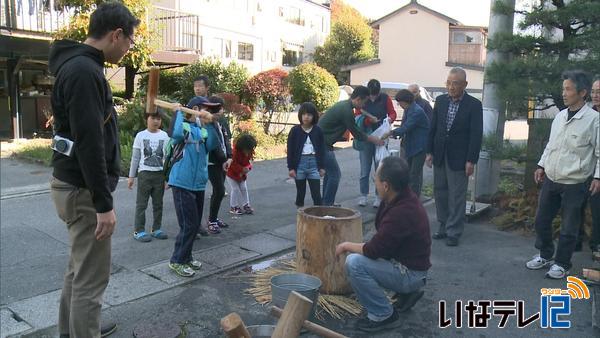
[[414, 129], [191, 172]]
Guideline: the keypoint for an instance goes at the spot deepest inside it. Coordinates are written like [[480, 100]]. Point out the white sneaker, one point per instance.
[[538, 263], [362, 201], [557, 272], [376, 202]]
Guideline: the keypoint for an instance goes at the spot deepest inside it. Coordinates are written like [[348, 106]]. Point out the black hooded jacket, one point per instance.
[[83, 112]]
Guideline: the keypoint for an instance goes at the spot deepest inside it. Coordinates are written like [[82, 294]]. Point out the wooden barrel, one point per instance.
[[319, 230]]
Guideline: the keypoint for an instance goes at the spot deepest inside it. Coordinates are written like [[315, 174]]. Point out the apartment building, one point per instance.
[[260, 34]]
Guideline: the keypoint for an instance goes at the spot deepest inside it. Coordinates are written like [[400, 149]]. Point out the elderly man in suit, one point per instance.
[[453, 149]]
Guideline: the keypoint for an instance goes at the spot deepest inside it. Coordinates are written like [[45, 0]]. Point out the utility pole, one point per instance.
[[488, 175]]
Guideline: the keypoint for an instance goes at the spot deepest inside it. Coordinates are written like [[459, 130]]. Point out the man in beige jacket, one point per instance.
[[569, 170]]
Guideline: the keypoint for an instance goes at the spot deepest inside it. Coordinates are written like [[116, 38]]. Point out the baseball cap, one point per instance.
[[201, 101]]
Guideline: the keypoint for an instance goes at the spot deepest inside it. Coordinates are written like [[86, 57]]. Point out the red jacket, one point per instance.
[[402, 232], [239, 161]]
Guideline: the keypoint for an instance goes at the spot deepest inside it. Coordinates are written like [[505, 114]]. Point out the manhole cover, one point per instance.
[[154, 330]]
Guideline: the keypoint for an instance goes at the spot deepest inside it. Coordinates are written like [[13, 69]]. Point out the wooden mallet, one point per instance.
[[234, 327], [296, 311], [310, 326], [152, 102]]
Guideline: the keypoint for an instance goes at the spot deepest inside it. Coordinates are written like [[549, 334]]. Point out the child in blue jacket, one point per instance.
[[187, 179]]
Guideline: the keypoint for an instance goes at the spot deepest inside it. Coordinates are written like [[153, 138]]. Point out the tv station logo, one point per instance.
[[555, 307]]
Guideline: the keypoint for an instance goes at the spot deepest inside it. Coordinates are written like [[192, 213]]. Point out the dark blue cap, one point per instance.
[[201, 101]]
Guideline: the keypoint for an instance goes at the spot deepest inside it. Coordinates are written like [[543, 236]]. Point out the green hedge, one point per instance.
[[309, 82]]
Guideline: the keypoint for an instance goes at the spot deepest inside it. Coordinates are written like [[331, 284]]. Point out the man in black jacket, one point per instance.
[[453, 147], [86, 162]]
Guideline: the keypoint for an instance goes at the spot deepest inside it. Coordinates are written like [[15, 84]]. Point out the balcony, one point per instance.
[[177, 31], [467, 54], [32, 17]]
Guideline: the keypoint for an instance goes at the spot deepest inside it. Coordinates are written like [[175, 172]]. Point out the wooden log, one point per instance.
[[234, 327], [310, 326], [319, 230], [152, 91], [152, 102], [294, 314], [592, 274]]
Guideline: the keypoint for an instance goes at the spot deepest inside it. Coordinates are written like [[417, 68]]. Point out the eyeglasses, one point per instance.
[[131, 41], [130, 38]]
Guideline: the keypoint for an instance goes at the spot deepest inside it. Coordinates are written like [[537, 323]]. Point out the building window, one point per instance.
[[245, 51], [222, 48], [227, 46], [291, 58], [294, 16], [466, 37]]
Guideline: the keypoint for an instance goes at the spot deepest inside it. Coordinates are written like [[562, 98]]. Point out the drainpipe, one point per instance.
[[13, 71]]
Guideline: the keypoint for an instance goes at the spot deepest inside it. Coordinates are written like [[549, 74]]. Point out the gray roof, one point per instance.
[[418, 6]]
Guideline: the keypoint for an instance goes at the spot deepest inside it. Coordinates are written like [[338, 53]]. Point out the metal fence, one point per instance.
[[177, 31], [40, 16]]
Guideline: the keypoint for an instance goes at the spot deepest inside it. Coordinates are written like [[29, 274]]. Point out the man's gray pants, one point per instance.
[[450, 192]]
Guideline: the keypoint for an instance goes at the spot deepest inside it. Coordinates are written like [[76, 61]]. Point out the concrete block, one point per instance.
[[39, 311], [11, 325], [129, 285], [162, 272], [264, 243], [225, 255], [288, 232]]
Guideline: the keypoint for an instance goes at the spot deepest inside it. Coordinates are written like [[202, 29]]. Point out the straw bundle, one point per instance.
[[334, 305]]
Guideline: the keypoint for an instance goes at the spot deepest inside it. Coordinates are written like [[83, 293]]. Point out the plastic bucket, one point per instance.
[[306, 285]]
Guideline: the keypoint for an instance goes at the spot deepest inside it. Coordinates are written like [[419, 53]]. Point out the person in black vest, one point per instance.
[[379, 106], [453, 148]]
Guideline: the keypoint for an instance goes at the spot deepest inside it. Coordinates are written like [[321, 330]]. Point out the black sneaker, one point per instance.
[[367, 325], [405, 301], [222, 224], [105, 330]]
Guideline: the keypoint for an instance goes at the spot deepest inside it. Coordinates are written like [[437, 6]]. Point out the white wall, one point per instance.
[[257, 22], [413, 48]]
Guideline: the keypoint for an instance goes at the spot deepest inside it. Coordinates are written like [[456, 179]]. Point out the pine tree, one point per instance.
[[555, 35]]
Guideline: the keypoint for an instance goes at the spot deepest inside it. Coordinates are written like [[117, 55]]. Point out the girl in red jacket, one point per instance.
[[243, 153]]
